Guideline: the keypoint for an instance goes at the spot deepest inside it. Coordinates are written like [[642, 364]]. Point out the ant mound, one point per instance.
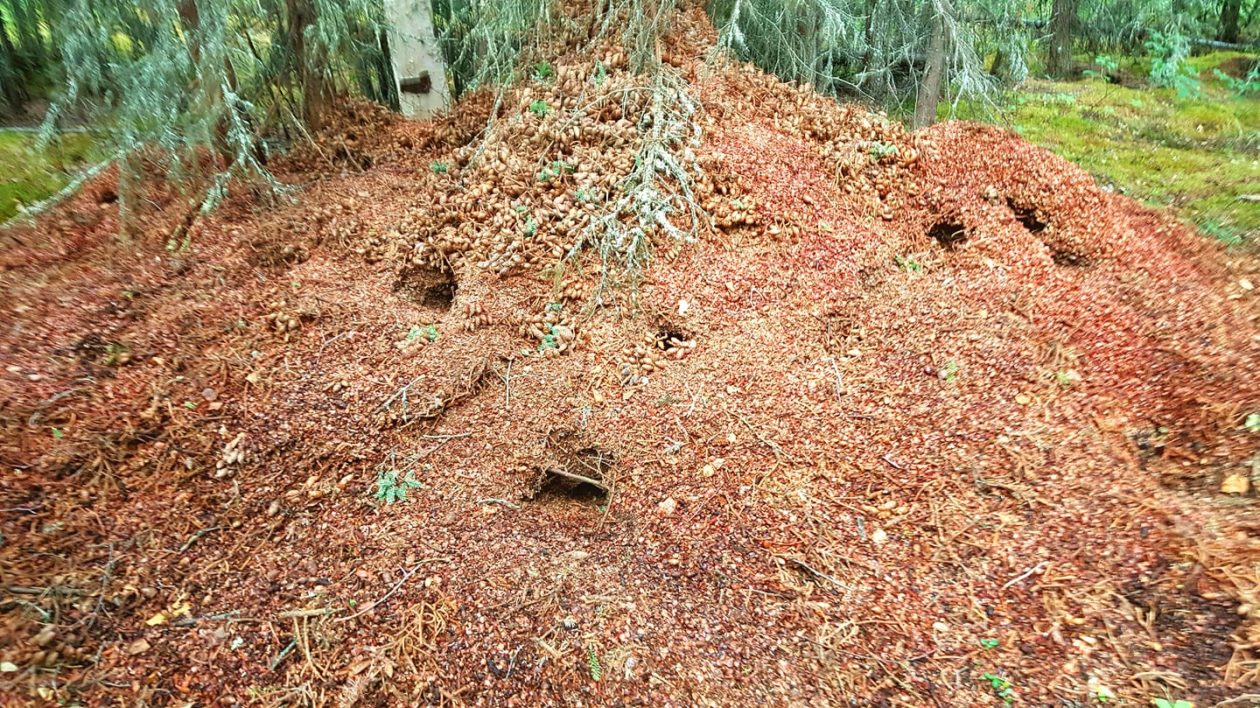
[[663, 389]]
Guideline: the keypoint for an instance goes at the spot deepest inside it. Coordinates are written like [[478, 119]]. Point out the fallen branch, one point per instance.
[[406, 576], [500, 502], [580, 479], [308, 612], [1022, 576], [197, 537]]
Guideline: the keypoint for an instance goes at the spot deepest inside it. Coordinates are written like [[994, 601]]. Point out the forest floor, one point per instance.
[[914, 419]]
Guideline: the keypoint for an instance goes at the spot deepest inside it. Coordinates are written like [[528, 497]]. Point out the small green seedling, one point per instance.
[[585, 195], [440, 168], [989, 643], [539, 108], [949, 373], [592, 663], [1001, 687], [1106, 63], [881, 150], [543, 71], [116, 354], [190, 405], [57, 434], [909, 265], [1252, 423], [531, 228], [429, 332], [390, 489], [1165, 703], [554, 170], [601, 73]]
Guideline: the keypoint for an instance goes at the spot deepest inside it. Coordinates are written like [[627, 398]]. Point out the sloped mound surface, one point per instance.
[[912, 409]]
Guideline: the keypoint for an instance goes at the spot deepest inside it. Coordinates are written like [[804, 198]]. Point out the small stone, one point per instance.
[[667, 507], [1236, 484], [1245, 284], [209, 394], [879, 537], [139, 646], [940, 627], [8, 667], [35, 377], [1023, 399]]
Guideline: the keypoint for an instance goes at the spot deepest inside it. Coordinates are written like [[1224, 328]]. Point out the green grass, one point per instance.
[[1196, 155], [29, 176]]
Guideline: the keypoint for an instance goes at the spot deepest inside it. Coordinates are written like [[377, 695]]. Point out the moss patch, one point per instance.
[[28, 175], [1197, 155]]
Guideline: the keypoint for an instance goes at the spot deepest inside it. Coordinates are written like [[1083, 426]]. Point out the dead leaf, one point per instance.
[[139, 646]]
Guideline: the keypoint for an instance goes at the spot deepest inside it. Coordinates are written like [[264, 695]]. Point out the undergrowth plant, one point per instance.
[[1169, 52], [392, 487]]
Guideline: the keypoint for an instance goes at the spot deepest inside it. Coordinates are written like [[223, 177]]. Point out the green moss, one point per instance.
[[29, 175], [1196, 155]]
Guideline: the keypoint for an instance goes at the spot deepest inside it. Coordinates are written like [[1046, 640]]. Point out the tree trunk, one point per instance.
[[1002, 69], [868, 54], [316, 94], [1062, 23], [1231, 12], [929, 95], [419, 69]]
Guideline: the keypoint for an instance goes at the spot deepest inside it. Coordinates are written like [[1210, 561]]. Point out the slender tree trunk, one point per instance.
[[316, 94], [1062, 23], [929, 95], [1231, 13], [868, 55]]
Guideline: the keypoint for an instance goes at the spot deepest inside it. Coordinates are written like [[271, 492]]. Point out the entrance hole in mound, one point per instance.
[[583, 478], [556, 484], [1027, 217], [575, 471], [669, 338], [427, 286], [108, 196], [948, 233]]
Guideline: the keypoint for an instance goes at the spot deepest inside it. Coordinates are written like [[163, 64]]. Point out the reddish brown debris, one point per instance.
[[914, 409]]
